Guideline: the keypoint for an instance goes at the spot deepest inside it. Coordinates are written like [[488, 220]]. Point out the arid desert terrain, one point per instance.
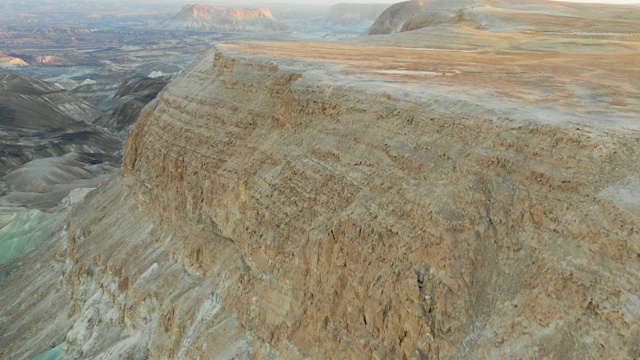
[[450, 180]]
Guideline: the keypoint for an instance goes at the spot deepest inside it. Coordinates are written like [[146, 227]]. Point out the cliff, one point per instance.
[[291, 200], [215, 18]]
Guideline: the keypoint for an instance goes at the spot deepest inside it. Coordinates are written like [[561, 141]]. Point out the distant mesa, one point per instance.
[[11, 62], [220, 19], [348, 14], [48, 59]]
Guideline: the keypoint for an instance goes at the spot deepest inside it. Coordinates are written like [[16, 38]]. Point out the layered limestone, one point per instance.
[[272, 205]]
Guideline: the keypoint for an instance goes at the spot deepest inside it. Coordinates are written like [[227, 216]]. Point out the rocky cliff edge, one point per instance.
[[273, 205]]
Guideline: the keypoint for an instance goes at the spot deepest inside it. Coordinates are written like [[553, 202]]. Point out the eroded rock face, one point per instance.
[[384, 228], [267, 211]]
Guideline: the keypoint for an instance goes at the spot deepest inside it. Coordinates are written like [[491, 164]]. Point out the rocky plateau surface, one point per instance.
[[296, 200]]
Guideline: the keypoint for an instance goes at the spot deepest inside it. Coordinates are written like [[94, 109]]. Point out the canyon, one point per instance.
[[444, 192]]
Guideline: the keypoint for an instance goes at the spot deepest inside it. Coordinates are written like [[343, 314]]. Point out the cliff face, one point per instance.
[[382, 227], [265, 210]]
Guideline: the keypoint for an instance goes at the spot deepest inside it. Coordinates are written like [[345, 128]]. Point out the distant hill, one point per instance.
[[394, 17], [10, 61], [346, 14], [48, 143], [498, 15], [215, 18]]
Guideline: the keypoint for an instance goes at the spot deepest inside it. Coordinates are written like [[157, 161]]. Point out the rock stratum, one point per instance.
[[220, 19], [296, 200]]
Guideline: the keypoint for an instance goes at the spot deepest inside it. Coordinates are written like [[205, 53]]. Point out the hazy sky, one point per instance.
[[326, 2], [392, 1]]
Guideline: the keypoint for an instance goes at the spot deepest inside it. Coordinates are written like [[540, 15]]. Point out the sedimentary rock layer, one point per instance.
[[384, 227]]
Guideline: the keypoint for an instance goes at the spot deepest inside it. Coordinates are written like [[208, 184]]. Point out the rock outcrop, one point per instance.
[[220, 19]]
